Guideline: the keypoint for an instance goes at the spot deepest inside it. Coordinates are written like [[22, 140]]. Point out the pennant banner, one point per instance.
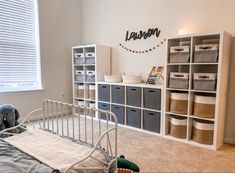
[[143, 51]]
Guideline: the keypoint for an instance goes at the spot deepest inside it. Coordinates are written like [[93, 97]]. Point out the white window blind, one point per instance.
[[19, 46]]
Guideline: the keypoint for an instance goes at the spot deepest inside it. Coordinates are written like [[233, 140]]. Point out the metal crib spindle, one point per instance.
[[107, 118], [57, 123], [38, 119], [85, 114], [67, 117], [48, 110], [62, 119], [92, 129], [52, 117], [73, 108], [44, 112], [79, 125], [115, 133], [107, 126], [99, 124]]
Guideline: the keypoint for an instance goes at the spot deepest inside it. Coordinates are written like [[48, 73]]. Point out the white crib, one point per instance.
[[73, 123]]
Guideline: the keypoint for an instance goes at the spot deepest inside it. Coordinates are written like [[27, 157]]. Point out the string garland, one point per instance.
[[143, 51]]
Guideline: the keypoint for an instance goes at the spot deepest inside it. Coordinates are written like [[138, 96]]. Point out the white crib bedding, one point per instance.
[[55, 151]]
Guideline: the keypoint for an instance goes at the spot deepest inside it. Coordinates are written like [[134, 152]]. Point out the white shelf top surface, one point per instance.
[[199, 35], [143, 85], [88, 45]]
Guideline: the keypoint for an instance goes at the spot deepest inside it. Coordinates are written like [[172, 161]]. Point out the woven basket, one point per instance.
[[179, 103], [203, 132], [204, 106]]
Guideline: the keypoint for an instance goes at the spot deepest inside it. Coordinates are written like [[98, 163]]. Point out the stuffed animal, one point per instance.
[[2, 126], [9, 116], [123, 163]]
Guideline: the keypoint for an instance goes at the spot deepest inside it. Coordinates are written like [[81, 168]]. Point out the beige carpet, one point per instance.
[[157, 154]]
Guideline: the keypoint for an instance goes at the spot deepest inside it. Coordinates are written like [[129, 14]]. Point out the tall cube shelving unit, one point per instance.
[[220, 68], [89, 64]]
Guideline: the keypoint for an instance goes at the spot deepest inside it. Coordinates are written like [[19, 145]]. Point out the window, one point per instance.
[[20, 67]]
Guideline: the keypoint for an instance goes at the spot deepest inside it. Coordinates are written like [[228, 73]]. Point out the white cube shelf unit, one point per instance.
[[184, 57], [89, 64], [137, 106]]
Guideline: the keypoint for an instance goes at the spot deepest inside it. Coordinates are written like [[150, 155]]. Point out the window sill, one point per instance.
[[29, 91]]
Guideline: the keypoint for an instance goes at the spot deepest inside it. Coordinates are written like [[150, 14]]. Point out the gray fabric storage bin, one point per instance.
[[204, 81], [103, 106], [79, 76], [179, 54], [79, 58], [90, 60], [133, 117], [104, 92], [90, 76], [152, 121], [79, 61], [134, 96], [179, 80], [118, 94], [206, 53], [152, 98], [119, 112]]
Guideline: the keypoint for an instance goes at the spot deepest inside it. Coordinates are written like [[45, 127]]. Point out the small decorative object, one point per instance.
[[123, 163], [112, 78], [155, 75], [131, 79], [9, 116]]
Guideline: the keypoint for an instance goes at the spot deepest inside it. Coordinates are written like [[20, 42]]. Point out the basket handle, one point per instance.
[[203, 77], [178, 75], [178, 49], [205, 47]]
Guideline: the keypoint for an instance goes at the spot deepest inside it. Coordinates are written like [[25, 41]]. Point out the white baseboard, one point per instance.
[[229, 140]]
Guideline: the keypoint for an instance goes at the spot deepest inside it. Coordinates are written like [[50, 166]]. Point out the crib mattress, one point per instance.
[[56, 152], [14, 160]]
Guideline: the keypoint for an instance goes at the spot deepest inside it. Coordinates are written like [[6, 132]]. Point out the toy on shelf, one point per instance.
[[155, 75]]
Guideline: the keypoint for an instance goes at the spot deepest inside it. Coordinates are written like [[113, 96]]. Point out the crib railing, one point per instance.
[[74, 122], [61, 118]]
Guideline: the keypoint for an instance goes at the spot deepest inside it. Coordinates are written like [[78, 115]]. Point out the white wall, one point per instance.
[[60, 29], [106, 21]]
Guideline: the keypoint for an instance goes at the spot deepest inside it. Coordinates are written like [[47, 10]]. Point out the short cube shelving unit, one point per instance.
[[135, 105], [196, 81], [89, 64]]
